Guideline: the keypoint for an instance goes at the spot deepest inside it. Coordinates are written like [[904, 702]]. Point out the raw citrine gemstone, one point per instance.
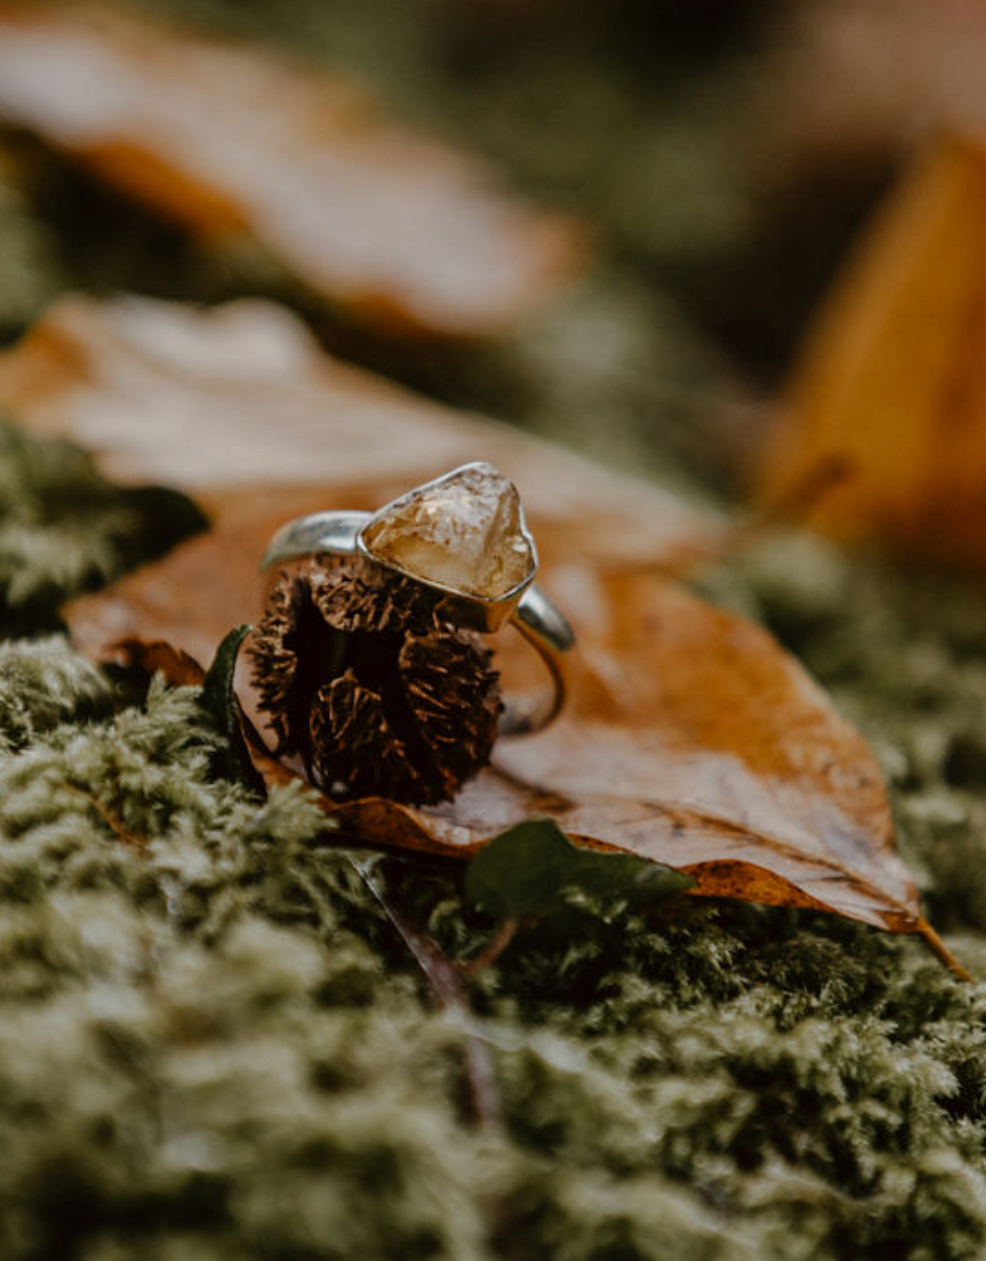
[[464, 531]]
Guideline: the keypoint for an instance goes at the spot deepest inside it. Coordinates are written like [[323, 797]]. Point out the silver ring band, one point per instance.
[[533, 614]]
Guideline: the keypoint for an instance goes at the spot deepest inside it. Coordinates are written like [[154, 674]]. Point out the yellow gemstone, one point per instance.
[[464, 532]]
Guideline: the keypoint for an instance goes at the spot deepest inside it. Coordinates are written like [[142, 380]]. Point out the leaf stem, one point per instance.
[[500, 941], [942, 952]]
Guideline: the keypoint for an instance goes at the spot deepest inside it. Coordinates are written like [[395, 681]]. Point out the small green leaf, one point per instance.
[[533, 869], [219, 701]]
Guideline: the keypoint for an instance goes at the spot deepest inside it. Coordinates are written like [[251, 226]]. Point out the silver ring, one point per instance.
[[463, 537]]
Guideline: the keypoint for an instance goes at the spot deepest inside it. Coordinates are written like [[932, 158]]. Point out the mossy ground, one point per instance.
[[213, 1042]]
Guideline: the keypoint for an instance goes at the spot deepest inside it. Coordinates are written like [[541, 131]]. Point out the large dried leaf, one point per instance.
[[226, 140], [892, 382], [690, 738]]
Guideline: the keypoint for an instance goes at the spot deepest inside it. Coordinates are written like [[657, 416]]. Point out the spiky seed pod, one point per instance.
[[377, 695]]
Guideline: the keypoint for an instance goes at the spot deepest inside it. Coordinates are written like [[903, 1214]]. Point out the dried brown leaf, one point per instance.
[[227, 140], [691, 738]]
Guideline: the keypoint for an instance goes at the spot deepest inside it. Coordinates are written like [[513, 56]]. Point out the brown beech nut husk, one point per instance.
[[360, 679]]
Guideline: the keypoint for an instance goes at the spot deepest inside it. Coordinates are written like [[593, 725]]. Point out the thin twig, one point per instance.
[[448, 982], [112, 821]]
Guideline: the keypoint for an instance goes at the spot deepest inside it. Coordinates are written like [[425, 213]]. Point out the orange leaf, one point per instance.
[[402, 229], [891, 381], [691, 738]]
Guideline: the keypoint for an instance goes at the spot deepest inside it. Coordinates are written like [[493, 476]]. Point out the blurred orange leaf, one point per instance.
[[226, 140], [891, 381], [691, 738]]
